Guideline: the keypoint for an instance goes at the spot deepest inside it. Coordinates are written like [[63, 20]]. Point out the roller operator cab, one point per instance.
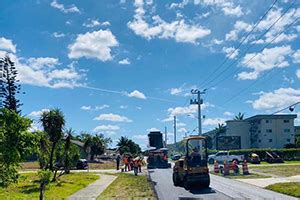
[[191, 170]]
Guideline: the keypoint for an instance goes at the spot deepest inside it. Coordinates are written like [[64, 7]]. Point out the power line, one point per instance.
[[244, 52], [239, 45], [249, 86]]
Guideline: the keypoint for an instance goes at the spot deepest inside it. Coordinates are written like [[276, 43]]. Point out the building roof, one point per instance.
[[280, 116]]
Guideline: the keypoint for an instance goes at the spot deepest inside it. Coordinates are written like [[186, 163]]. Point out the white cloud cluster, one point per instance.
[[94, 108], [213, 121], [91, 23], [231, 52], [36, 114], [277, 99], [152, 129], [58, 35], [96, 44], [137, 94], [69, 9], [125, 61], [186, 110], [178, 30], [238, 27], [112, 117], [266, 60], [105, 128], [296, 57], [7, 45]]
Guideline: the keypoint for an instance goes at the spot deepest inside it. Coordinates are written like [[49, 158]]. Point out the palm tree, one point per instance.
[[126, 144], [53, 122], [219, 131], [67, 160], [239, 116]]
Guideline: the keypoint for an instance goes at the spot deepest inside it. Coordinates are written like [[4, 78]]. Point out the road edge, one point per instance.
[[152, 184]]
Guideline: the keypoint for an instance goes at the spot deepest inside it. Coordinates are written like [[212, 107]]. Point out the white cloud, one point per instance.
[[227, 113], [182, 130], [70, 9], [7, 45], [238, 27], [105, 128], [277, 99], [86, 108], [140, 137], [58, 35], [176, 91], [102, 107], [95, 44], [180, 124], [36, 114], [265, 60], [123, 107], [91, 23], [213, 121], [178, 30], [137, 94], [233, 11], [112, 117], [296, 57], [231, 52], [42, 62], [125, 61], [187, 110], [168, 119], [298, 73]]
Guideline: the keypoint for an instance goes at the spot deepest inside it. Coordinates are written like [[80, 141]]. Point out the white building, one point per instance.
[[263, 131]]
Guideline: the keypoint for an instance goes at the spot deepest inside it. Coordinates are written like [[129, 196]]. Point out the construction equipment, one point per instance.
[[191, 170], [157, 155]]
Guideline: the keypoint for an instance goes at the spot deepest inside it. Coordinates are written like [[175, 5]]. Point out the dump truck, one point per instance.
[[157, 154]]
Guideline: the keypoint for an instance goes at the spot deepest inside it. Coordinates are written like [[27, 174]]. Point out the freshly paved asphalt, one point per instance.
[[220, 188]]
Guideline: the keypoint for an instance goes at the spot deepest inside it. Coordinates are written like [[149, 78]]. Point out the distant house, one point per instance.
[[83, 153], [262, 131]]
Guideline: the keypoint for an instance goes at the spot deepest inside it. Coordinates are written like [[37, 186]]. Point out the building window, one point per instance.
[[288, 140], [269, 130], [268, 121], [287, 130], [259, 131], [259, 141], [270, 140], [286, 121]]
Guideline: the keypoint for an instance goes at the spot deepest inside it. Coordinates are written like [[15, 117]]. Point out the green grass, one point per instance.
[[285, 162], [28, 186], [241, 176], [292, 188], [284, 170], [128, 186]]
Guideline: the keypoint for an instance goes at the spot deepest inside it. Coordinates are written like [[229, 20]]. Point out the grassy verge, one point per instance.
[[103, 165], [241, 176], [284, 170], [28, 186], [285, 162], [128, 186], [292, 188]]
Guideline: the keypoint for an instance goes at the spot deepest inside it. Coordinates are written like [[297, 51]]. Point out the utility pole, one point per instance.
[[175, 130], [166, 137], [198, 101]]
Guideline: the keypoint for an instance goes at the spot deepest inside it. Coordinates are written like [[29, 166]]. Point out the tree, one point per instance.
[[10, 87], [239, 116], [221, 129], [97, 143], [53, 122], [132, 146], [44, 176], [12, 128]]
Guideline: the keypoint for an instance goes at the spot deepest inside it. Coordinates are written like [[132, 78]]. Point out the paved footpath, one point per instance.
[[93, 190]]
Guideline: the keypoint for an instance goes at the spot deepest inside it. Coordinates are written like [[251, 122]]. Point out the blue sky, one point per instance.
[[123, 67]]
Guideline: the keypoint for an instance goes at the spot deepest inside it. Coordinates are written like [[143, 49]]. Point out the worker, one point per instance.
[[140, 163], [135, 162], [125, 160], [118, 158]]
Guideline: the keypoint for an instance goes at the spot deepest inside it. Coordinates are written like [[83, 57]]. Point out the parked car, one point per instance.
[[272, 157], [82, 164], [221, 156], [176, 157], [254, 158]]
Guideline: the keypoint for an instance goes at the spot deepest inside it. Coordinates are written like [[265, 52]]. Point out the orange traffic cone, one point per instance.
[[245, 168], [226, 168], [216, 167]]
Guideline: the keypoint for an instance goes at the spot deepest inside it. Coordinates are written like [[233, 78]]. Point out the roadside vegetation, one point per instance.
[[28, 186], [292, 188], [241, 176], [128, 186], [283, 170]]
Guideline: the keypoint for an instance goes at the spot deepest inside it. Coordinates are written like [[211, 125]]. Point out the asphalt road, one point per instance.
[[220, 188]]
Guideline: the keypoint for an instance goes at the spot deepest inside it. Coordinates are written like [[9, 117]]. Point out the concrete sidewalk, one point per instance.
[[93, 190], [264, 182]]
